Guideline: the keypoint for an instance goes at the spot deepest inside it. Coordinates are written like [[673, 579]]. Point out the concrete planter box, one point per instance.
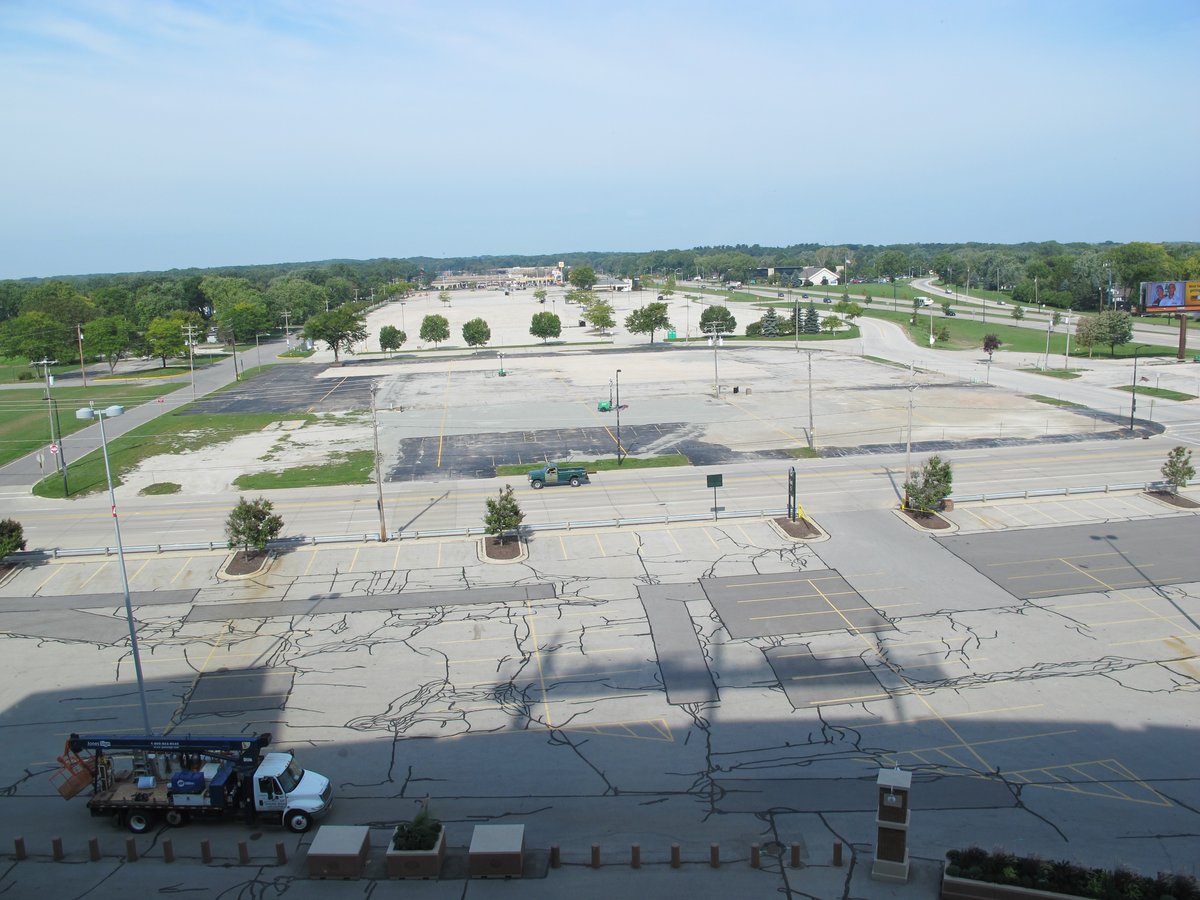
[[956, 888], [416, 863]]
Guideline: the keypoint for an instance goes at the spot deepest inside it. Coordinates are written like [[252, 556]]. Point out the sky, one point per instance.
[[159, 134]]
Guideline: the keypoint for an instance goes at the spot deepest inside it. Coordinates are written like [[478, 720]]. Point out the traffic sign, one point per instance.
[[54, 449]]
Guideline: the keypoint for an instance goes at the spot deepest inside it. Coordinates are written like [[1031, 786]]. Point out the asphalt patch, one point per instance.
[[753, 606], [290, 388]]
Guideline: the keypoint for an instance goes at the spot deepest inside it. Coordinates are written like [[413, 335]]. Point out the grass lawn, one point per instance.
[[296, 354], [160, 372], [1054, 373], [160, 487], [1054, 401], [803, 453], [25, 422], [12, 369], [173, 433], [344, 467], [606, 465], [1161, 393], [968, 335]]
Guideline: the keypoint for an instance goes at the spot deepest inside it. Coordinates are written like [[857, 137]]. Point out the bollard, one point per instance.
[[57, 851], [131, 849], [795, 855], [714, 856], [595, 856], [674, 856], [168, 851], [837, 853], [19, 847], [94, 849], [281, 854], [243, 853], [555, 856], [206, 851], [635, 856], [755, 858]]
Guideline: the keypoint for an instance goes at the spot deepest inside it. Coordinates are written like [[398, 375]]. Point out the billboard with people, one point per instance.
[[1171, 296]]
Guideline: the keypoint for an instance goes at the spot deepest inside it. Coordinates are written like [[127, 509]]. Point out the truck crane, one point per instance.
[[139, 778]]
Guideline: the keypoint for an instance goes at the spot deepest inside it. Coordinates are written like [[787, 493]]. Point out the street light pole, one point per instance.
[[908, 444], [1049, 326], [1133, 390], [812, 438], [619, 457], [1067, 355], [378, 479], [87, 414]]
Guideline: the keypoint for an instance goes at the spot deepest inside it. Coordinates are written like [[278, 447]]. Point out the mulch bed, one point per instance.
[[929, 520], [801, 528], [510, 549], [245, 563], [1174, 499]]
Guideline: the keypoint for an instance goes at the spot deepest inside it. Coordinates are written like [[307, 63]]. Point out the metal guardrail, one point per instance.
[[666, 519]]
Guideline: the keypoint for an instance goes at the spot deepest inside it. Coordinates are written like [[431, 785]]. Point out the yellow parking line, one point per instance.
[[354, 559], [99, 569], [311, 559], [56, 570], [187, 562], [600, 544], [563, 546], [934, 718], [396, 558], [140, 568]]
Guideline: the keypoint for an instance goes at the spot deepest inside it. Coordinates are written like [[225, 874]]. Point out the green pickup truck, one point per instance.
[[559, 474]]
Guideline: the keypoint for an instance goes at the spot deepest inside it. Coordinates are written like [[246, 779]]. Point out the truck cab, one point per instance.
[[282, 786]]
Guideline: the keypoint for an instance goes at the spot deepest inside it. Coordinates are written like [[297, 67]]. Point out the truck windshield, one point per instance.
[[290, 777]]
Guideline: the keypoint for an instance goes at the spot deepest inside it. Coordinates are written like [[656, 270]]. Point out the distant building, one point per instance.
[[809, 275], [514, 277]]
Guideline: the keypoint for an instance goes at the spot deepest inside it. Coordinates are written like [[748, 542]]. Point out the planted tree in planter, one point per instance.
[[926, 489], [252, 524], [1177, 471], [418, 847], [503, 514]]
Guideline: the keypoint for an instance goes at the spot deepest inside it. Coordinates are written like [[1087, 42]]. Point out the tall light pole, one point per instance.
[[620, 459], [378, 479], [500, 353], [56, 444], [1133, 390], [812, 438], [1067, 355], [87, 414], [908, 443], [1049, 327], [714, 341]]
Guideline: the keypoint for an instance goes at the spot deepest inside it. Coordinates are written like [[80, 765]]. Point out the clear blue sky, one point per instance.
[[149, 134]]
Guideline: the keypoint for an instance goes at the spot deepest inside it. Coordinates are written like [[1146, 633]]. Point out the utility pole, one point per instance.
[[812, 438], [60, 456], [287, 330], [191, 342], [378, 479], [908, 444], [82, 370]]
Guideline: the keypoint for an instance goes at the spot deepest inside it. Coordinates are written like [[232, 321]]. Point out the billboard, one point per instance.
[[1171, 296]]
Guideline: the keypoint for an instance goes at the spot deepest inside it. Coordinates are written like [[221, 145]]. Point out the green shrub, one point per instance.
[[12, 537]]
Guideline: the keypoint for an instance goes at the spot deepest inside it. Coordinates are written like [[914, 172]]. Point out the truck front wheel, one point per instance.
[[537, 485], [297, 821], [138, 822]]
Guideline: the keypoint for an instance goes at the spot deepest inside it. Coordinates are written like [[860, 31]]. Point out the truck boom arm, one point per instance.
[[242, 749]]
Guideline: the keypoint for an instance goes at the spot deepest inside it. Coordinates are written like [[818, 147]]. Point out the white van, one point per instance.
[[923, 301]]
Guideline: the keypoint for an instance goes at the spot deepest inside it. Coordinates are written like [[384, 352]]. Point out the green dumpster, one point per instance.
[[604, 406]]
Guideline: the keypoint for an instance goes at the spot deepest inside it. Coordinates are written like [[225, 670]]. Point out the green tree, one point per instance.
[[991, 343], [1018, 312], [582, 277], [926, 489], [298, 297], [252, 524], [1087, 333], [435, 329], [545, 325], [157, 301], [109, 337], [540, 295], [891, 263], [770, 323], [812, 320], [503, 515], [35, 335], [946, 308], [165, 338], [669, 288], [718, 319], [339, 328], [61, 302], [1177, 471], [391, 338], [1116, 328], [830, 324], [943, 333], [1136, 262], [444, 296], [648, 319], [243, 319], [222, 293], [476, 333], [597, 312], [12, 537]]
